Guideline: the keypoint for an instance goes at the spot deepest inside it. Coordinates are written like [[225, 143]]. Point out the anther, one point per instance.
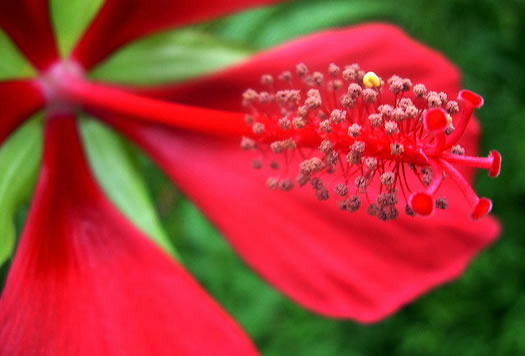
[[299, 122], [354, 130], [326, 146], [398, 114], [248, 144], [387, 199], [353, 203], [375, 120], [388, 213], [249, 96], [322, 194], [354, 90], [371, 80], [373, 209], [433, 100], [267, 80], [272, 183], [337, 116], [341, 189], [391, 128], [331, 159], [419, 91], [277, 147], [303, 111], [316, 183], [371, 163], [284, 123], [457, 150], [313, 102], [347, 101], [443, 97], [286, 76], [356, 152], [370, 95], [385, 110], [325, 126], [302, 70], [407, 84], [265, 97], [286, 185], [258, 128], [351, 72], [396, 148], [318, 78], [334, 70], [302, 179], [411, 111], [388, 178], [452, 107], [361, 183], [409, 211], [395, 84], [442, 203]]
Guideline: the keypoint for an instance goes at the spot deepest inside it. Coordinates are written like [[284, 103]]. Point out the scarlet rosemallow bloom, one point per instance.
[[74, 287], [330, 261]]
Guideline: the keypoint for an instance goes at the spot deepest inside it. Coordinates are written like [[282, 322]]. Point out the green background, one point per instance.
[[482, 313]]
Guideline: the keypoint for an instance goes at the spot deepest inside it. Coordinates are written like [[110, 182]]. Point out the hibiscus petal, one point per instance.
[[28, 24], [85, 281], [19, 99], [121, 21], [332, 262]]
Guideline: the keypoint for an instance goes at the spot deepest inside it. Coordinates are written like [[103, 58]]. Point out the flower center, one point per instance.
[[348, 132], [54, 85]]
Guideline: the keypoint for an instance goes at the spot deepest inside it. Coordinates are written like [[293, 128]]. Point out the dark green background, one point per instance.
[[483, 313]]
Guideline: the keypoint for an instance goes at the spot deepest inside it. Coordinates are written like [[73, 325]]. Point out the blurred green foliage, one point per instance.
[[483, 313]]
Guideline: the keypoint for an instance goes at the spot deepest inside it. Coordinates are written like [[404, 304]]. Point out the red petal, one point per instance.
[[121, 21], [382, 48], [28, 23], [87, 282], [332, 262], [19, 99]]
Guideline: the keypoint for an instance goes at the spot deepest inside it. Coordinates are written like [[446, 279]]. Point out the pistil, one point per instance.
[[360, 142]]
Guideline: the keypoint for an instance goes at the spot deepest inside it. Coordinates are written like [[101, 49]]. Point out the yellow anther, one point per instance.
[[449, 118], [371, 80]]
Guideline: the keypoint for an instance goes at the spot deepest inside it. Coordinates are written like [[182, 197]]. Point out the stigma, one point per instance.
[[369, 144]]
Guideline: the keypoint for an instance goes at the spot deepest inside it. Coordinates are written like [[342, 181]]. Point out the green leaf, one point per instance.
[[20, 158], [121, 180], [71, 18], [270, 26], [13, 64], [168, 57]]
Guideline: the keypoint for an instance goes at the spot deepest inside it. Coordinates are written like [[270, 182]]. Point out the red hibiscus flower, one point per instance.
[[86, 281]]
